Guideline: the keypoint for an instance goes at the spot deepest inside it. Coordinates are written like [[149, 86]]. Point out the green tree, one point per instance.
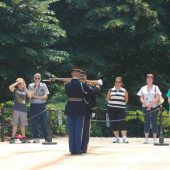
[[28, 32], [121, 37]]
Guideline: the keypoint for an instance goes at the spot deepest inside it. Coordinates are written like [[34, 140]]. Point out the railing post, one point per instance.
[[50, 133], [161, 138], [59, 115], [137, 119], [107, 120]]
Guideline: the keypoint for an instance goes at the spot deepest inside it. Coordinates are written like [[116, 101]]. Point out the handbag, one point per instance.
[[161, 99]]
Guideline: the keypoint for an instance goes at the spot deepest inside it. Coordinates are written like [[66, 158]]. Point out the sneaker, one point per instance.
[[116, 140], [12, 140], [36, 140], [145, 141], [155, 141], [25, 140], [125, 140]]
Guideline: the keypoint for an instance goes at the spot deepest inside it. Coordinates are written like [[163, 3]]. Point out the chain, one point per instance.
[[149, 112], [29, 118], [119, 120], [93, 120], [36, 115]]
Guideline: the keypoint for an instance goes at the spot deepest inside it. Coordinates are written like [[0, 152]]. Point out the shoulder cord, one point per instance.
[[83, 90], [82, 87]]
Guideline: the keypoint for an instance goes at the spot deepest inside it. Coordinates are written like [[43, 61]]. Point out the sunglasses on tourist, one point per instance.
[[37, 78]]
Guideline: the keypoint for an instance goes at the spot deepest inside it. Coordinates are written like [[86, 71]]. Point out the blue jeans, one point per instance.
[[150, 118], [34, 110]]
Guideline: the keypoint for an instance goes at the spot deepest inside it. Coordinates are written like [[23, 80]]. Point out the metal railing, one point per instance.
[[102, 117]]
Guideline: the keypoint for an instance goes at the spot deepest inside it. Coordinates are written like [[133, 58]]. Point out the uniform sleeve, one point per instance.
[[140, 92], [89, 89], [93, 101], [66, 89], [168, 93]]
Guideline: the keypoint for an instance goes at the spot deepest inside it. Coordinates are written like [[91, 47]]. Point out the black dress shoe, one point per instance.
[[76, 153], [72, 153], [84, 151]]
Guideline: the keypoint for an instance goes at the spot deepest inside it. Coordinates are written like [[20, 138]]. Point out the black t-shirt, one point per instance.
[[20, 100]]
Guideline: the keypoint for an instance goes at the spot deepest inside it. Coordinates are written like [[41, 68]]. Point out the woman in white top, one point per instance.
[[117, 97], [149, 97]]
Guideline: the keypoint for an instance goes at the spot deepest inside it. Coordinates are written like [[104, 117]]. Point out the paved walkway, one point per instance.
[[102, 155]]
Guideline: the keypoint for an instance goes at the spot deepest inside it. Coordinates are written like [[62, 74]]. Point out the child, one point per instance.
[[19, 117]]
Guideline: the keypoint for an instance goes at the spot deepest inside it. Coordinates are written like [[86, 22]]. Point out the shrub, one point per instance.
[[57, 120]]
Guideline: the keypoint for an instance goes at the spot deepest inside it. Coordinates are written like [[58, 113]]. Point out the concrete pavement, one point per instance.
[[102, 155]]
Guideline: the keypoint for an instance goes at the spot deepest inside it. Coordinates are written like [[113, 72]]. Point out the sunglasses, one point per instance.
[[37, 78], [118, 82]]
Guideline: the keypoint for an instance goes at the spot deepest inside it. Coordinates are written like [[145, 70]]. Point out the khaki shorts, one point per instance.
[[19, 118]]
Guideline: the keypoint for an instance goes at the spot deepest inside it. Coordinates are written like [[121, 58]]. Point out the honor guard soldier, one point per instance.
[[75, 110], [90, 103]]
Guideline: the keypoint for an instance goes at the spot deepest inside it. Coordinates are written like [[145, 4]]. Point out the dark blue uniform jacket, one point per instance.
[[73, 89]]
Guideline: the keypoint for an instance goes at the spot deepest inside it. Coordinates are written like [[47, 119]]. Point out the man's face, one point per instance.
[[84, 76], [76, 74], [37, 78]]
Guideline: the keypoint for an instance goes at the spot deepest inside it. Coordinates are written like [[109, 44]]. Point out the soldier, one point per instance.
[[75, 110], [91, 108]]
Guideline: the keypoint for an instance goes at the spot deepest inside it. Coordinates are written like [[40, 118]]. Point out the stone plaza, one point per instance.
[[103, 154]]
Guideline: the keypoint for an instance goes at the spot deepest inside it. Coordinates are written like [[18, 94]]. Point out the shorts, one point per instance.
[[117, 114], [19, 118]]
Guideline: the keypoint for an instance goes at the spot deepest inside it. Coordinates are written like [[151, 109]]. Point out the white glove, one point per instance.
[[93, 115], [100, 82]]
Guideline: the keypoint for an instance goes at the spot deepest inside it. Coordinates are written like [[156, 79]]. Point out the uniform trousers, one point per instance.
[[86, 131], [75, 128]]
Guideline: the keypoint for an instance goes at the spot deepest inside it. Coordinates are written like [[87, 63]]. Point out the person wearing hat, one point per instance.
[[91, 108], [75, 110]]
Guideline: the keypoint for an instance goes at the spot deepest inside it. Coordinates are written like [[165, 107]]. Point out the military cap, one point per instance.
[[78, 69], [84, 71]]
